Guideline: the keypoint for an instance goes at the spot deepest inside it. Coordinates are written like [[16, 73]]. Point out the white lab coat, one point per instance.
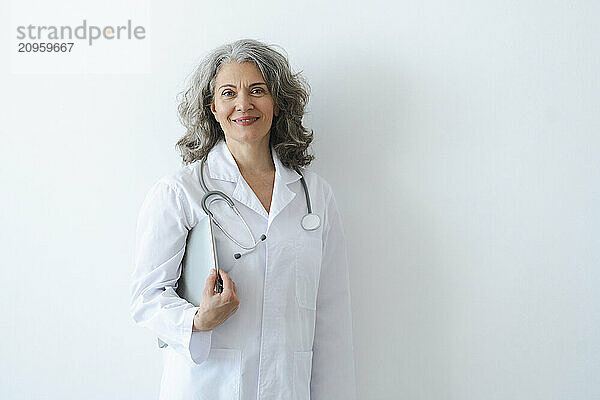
[[291, 337]]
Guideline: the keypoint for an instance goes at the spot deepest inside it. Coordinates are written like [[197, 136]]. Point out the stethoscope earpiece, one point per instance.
[[237, 256]]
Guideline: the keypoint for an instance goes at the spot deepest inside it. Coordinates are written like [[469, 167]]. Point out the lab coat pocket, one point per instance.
[[302, 372], [308, 265], [219, 376]]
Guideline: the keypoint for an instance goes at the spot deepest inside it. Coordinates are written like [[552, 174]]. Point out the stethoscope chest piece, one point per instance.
[[311, 221]]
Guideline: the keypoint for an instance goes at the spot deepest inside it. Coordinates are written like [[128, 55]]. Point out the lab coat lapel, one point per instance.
[[244, 194], [282, 195], [222, 166]]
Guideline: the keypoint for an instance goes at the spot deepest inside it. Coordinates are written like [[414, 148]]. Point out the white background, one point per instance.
[[461, 140]]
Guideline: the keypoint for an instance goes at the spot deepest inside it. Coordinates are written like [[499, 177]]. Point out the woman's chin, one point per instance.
[[248, 137]]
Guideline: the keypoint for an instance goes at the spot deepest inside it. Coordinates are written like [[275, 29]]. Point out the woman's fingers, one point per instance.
[[228, 285]]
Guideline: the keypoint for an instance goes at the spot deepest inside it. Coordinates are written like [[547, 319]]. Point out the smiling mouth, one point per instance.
[[245, 121]]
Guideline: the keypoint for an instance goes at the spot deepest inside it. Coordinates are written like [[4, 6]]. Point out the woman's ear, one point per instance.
[[276, 110], [213, 109]]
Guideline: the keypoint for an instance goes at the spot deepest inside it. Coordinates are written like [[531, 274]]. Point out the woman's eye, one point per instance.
[[230, 93]]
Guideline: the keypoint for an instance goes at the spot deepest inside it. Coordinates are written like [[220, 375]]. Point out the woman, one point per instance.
[[281, 328]]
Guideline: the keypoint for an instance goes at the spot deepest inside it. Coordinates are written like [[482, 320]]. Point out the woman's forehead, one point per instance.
[[235, 72]]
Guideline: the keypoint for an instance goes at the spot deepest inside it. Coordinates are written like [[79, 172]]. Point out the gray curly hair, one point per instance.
[[289, 138]]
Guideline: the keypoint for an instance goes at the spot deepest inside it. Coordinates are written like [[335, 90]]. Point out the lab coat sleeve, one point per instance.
[[161, 235], [333, 374]]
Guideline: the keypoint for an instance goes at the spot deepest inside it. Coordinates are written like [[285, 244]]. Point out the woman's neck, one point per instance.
[[252, 158]]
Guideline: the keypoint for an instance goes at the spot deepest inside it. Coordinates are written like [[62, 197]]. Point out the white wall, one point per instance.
[[461, 140]]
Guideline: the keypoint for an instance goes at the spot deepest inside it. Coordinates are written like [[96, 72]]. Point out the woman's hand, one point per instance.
[[216, 307]]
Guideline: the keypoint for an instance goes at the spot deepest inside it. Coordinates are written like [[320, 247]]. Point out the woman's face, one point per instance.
[[241, 93]]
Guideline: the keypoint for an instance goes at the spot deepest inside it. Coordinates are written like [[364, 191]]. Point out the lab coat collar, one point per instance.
[[222, 165]]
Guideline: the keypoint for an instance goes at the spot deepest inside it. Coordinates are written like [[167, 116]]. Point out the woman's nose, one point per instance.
[[243, 102]]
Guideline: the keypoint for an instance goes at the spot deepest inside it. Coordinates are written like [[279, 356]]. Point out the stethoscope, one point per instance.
[[309, 222]]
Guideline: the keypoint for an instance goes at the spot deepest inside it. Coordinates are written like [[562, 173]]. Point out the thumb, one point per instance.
[[209, 288]]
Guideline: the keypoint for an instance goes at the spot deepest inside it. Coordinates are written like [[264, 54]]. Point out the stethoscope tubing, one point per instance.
[[309, 222]]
